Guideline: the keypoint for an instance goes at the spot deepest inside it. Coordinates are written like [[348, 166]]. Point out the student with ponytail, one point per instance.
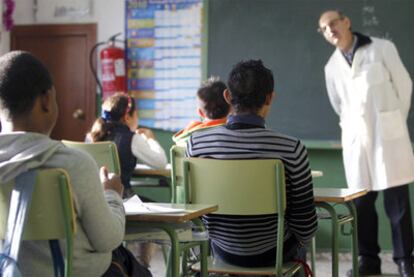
[[119, 123]]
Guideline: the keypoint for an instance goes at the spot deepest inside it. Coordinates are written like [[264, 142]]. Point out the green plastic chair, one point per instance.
[[240, 187], [104, 153], [51, 215], [177, 155]]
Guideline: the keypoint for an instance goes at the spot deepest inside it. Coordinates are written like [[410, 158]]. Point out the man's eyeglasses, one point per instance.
[[330, 24]]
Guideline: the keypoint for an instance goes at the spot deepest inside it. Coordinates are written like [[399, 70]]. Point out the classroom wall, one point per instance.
[[108, 14]]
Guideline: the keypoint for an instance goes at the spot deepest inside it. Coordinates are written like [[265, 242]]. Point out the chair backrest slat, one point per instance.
[[51, 215], [239, 187], [177, 154], [46, 220], [104, 153]]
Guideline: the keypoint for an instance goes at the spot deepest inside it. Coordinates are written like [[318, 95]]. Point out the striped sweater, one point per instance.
[[253, 235]]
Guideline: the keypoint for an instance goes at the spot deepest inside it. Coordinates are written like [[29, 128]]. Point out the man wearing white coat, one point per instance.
[[370, 89]]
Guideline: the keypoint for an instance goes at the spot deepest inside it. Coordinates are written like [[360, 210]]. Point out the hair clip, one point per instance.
[[129, 106], [106, 115]]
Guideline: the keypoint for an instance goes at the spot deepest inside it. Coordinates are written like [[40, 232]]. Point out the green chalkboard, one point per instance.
[[283, 34]]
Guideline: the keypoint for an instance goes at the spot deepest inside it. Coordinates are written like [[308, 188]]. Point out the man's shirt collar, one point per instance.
[[349, 55], [245, 121]]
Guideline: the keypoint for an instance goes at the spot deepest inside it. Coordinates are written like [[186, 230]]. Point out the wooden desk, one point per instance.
[[144, 170], [191, 211], [167, 223], [337, 195], [316, 173], [323, 198]]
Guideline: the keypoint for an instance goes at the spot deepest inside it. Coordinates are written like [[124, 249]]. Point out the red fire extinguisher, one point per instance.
[[112, 67]]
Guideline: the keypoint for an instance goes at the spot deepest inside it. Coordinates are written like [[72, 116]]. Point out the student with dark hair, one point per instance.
[[119, 123], [28, 113], [212, 109], [250, 240]]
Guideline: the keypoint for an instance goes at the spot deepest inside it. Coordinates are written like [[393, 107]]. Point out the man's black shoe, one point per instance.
[[367, 273], [367, 267], [405, 267]]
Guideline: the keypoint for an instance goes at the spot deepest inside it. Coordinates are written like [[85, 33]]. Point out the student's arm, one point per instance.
[[148, 151], [300, 212], [111, 181], [101, 212]]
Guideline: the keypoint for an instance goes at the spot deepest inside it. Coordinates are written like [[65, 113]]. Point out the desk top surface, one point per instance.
[[316, 173], [337, 195], [191, 211], [141, 169]]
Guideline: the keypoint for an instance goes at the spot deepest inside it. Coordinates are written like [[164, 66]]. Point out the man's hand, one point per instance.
[[111, 181]]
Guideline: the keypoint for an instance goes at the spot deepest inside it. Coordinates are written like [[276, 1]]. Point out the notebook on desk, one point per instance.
[[134, 206]]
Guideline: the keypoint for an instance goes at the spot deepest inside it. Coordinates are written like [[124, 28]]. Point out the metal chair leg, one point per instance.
[[313, 255]]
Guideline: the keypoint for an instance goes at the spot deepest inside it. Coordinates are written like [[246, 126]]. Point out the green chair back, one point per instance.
[[51, 214], [241, 187], [104, 153], [177, 155]]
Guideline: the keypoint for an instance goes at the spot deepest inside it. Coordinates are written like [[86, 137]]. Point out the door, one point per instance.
[[64, 49]]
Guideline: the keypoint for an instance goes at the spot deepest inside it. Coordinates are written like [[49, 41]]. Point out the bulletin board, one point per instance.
[[164, 60]]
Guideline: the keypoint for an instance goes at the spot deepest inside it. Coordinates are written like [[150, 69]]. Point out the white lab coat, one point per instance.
[[372, 99]]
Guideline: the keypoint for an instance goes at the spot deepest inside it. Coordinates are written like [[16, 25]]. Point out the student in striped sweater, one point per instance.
[[251, 240]]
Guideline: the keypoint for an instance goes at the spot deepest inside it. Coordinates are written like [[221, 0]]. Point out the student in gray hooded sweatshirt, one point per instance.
[[28, 113]]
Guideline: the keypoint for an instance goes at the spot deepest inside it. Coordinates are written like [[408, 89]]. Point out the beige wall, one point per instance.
[[108, 14]]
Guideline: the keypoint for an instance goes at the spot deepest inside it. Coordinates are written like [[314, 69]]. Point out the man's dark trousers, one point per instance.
[[397, 208]]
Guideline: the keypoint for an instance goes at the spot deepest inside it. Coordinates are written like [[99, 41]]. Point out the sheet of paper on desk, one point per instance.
[[134, 205], [146, 167]]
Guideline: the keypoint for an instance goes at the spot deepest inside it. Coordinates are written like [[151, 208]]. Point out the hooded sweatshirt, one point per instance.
[[100, 216]]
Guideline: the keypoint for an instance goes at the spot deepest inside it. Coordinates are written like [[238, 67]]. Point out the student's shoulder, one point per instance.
[[183, 134], [289, 147], [284, 137], [192, 125], [209, 132]]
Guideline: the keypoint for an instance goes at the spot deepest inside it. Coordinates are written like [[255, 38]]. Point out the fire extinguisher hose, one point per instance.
[[91, 65], [112, 39]]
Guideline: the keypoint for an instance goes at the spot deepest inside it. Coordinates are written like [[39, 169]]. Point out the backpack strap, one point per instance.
[[58, 263], [20, 201]]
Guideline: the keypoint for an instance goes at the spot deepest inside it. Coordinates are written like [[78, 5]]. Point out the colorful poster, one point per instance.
[[164, 60]]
